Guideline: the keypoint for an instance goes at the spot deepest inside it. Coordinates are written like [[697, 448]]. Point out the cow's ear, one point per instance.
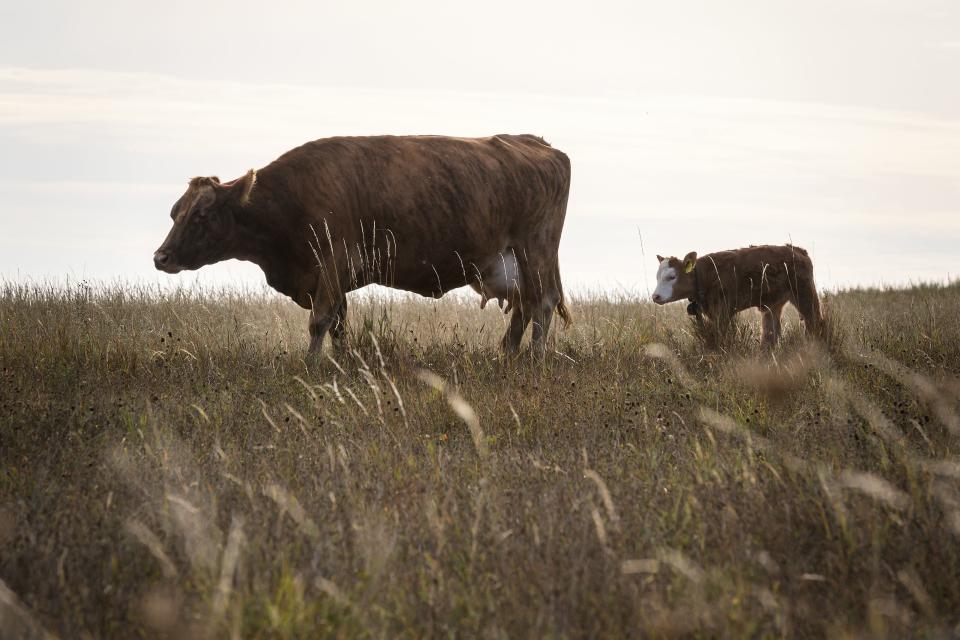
[[204, 181], [243, 187], [660, 258], [689, 262]]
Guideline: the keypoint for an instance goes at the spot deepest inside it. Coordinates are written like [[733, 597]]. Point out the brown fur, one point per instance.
[[421, 213], [764, 277]]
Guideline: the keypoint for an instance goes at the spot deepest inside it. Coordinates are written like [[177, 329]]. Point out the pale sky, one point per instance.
[[690, 125]]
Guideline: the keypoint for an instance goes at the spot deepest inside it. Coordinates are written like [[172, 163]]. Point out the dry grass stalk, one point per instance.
[[875, 487], [460, 407], [289, 504], [228, 569], [147, 538], [641, 565], [604, 495], [16, 621]]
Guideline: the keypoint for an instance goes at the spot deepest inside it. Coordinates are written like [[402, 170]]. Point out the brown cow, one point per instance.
[[727, 282], [421, 213]]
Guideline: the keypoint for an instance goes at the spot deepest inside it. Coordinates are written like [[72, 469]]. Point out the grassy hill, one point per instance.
[[172, 465]]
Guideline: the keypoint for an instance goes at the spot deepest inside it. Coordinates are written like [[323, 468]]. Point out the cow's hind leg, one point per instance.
[[538, 296], [542, 317], [549, 298], [514, 335]]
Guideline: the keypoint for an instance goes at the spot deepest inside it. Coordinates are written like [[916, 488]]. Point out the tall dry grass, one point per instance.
[[173, 465]]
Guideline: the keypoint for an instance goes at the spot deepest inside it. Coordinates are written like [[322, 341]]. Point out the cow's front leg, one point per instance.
[[322, 318], [338, 329]]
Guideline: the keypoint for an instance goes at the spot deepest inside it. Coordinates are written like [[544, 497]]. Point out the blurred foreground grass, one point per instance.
[[172, 466]]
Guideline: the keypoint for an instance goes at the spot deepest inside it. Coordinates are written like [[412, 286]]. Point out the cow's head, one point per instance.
[[675, 278], [204, 223]]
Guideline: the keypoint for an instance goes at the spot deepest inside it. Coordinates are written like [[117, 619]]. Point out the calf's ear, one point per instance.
[[660, 258], [689, 262]]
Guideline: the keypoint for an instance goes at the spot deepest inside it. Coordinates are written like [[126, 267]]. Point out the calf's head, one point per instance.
[[675, 278], [205, 221]]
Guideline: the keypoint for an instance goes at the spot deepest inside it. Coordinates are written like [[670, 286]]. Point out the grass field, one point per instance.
[[172, 466]]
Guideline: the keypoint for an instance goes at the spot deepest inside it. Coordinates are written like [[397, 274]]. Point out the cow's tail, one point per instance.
[[562, 310], [564, 314]]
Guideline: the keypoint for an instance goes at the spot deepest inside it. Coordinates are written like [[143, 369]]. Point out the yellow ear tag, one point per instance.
[[689, 267]]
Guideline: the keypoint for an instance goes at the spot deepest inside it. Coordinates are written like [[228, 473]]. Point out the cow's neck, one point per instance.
[[270, 236], [264, 238]]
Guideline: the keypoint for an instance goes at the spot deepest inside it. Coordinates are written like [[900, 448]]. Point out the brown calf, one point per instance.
[[724, 283]]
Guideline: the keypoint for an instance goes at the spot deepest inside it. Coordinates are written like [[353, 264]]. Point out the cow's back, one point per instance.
[[401, 170], [436, 205]]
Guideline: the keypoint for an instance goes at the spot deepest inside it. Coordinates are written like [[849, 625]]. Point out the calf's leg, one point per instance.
[[770, 324], [807, 303]]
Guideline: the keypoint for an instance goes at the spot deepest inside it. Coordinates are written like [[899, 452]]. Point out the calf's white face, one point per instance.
[[666, 278]]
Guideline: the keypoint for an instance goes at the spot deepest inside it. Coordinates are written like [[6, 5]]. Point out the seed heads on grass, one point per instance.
[[681, 564], [640, 565], [161, 609], [875, 487], [228, 568], [460, 407], [910, 579], [199, 534], [661, 352], [604, 496], [779, 380], [16, 621], [152, 543], [289, 504]]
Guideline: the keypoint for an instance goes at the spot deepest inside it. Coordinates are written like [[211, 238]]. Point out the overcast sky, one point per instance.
[[690, 125]]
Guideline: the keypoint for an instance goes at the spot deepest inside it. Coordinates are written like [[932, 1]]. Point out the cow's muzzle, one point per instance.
[[161, 260]]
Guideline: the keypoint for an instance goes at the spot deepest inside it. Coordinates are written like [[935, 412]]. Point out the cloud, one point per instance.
[[119, 146], [87, 188]]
